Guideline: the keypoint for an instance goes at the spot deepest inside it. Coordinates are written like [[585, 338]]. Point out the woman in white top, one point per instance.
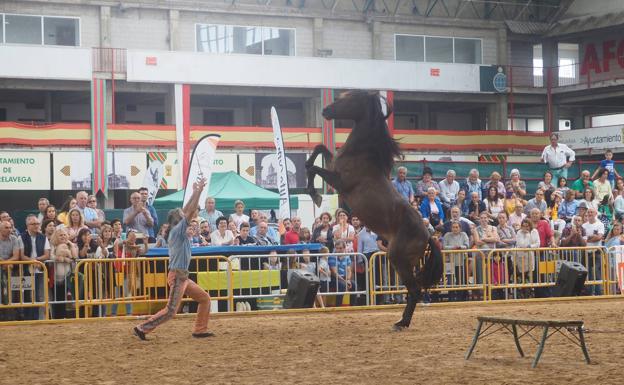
[[238, 217], [493, 203], [589, 198], [526, 238], [343, 230], [222, 236], [602, 186]]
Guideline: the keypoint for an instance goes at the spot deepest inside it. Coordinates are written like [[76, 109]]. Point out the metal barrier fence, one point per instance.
[[23, 289], [515, 271], [464, 276], [131, 281], [615, 263], [264, 278]]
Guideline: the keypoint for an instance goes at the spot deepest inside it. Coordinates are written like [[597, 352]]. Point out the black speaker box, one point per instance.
[[302, 290], [571, 279]]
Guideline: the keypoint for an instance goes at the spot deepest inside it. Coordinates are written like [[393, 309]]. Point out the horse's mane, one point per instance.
[[379, 143]]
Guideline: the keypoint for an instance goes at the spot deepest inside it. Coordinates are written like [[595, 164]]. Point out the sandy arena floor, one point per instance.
[[318, 348]]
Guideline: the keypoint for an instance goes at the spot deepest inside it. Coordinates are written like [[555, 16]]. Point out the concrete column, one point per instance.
[[174, 35], [312, 112], [502, 57], [170, 105], [550, 57], [501, 47], [105, 26], [424, 119], [317, 36], [554, 118], [47, 106], [376, 36]]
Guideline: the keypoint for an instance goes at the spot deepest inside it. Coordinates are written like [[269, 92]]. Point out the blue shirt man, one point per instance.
[[402, 185], [144, 195]]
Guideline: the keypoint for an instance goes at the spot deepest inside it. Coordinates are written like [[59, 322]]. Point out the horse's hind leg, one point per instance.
[[413, 294]]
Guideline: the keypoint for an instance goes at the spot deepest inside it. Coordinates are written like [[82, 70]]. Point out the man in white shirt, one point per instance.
[[559, 158], [448, 190], [594, 232]]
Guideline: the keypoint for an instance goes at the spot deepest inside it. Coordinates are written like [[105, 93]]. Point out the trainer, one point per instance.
[[179, 283], [559, 158]]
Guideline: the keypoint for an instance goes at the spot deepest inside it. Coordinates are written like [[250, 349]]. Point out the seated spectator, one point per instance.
[[589, 198], [233, 227], [210, 213], [222, 236], [244, 238], [602, 186], [562, 186], [538, 202], [90, 216], [402, 185], [272, 233], [515, 185], [618, 205], [506, 233], [238, 215], [574, 234], [475, 207], [50, 214], [495, 181], [615, 236], [262, 236], [511, 200], [515, 219], [192, 231], [47, 227], [473, 183], [204, 230], [75, 223], [581, 184], [305, 236], [552, 211], [42, 205], [462, 203], [455, 216], [291, 236], [619, 186], [92, 203], [341, 271], [568, 207], [427, 182], [69, 204], [546, 185], [449, 188], [342, 230], [431, 208], [323, 232], [493, 204]]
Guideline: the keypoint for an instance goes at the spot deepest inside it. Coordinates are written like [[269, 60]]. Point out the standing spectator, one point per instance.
[[473, 183], [128, 248], [87, 246], [36, 248], [64, 253], [161, 240], [42, 205], [524, 261], [515, 185], [341, 271], [342, 230], [506, 233], [455, 216], [151, 230], [602, 186], [291, 237], [238, 215], [493, 204], [137, 216], [515, 219], [547, 185], [562, 186], [485, 238], [47, 228], [50, 214], [402, 185], [537, 203], [366, 246], [574, 234], [92, 203], [608, 164], [63, 216], [117, 228], [618, 205], [222, 236], [244, 238], [581, 184], [323, 233], [567, 208], [475, 206], [90, 216], [449, 188], [305, 236], [427, 182], [210, 213], [75, 224], [456, 239], [543, 228], [595, 231], [495, 181], [431, 208], [559, 157], [614, 237]]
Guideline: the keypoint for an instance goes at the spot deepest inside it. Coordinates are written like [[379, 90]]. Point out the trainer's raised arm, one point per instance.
[[193, 204]]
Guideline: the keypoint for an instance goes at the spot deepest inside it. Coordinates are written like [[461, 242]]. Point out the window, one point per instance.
[[468, 51], [214, 38], [22, 29], [60, 31], [437, 49], [47, 30], [410, 48]]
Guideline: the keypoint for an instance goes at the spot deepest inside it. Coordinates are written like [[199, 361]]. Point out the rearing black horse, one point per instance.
[[360, 172]]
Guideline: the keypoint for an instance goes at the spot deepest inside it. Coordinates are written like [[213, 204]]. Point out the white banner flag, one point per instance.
[[282, 173], [201, 166], [154, 174]]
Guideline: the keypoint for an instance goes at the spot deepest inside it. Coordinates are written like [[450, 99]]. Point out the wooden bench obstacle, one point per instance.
[[526, 326]]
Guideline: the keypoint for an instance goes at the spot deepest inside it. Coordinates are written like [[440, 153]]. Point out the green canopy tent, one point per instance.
[[226, 188]]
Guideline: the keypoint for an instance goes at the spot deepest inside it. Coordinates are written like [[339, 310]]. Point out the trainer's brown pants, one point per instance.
[[180, 285]]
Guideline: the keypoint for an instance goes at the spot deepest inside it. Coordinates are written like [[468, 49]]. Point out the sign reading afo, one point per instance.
[[24, 170]]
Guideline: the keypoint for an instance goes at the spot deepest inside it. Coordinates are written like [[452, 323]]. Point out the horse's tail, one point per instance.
[[432, 272]]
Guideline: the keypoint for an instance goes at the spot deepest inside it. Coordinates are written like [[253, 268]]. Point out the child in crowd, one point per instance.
[[607, 164]]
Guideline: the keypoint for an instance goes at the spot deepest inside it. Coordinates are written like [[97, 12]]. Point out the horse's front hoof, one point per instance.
[[399, 326]]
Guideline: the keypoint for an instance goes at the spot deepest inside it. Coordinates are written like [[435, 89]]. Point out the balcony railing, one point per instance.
[[568, 75], [109, 60]]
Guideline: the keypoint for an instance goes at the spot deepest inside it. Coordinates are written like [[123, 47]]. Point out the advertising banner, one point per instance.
[[597, 138], [24, 170]]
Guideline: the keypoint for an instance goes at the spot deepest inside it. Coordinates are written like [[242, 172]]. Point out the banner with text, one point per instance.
[[598, 138], [24, 170]]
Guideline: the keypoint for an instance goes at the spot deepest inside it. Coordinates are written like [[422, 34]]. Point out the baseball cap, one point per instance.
[[583, 205]]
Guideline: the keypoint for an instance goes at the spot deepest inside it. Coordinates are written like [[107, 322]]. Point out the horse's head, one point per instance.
[[354, 105]]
